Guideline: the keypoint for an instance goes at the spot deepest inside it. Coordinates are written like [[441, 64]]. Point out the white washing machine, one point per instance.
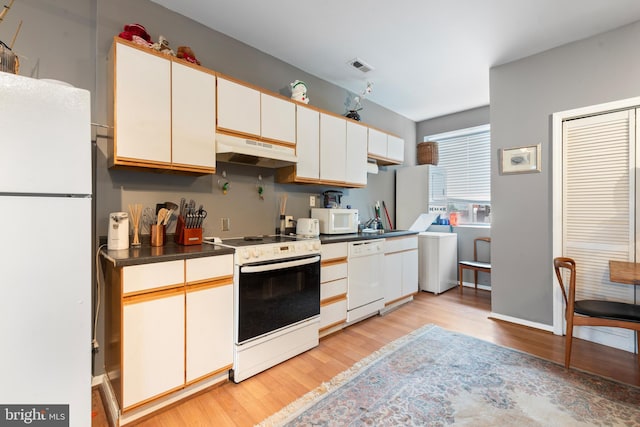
[[438, 261]]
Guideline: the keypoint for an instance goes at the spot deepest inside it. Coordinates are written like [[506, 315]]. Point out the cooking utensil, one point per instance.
[[148, 218], [183, 205], [167, 216], [386, 212], [162, 214]]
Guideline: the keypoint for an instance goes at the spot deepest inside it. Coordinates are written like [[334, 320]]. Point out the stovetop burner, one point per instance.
[[257, 240]]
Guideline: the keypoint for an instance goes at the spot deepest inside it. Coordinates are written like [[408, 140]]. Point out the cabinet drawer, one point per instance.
[[334, 313], [334, 250], [400, 244], [209, 268], [333, 272], [333, 288], [137, 278]]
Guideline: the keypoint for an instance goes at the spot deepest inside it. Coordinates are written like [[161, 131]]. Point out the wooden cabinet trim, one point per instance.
[[334, 261], [209, 283], [332, 325], [334, 299], [153, 294], [387, 303], [152, 398], [209, 375]]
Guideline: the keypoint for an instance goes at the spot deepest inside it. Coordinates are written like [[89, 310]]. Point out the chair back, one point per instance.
[[475, 246], [562, 264]]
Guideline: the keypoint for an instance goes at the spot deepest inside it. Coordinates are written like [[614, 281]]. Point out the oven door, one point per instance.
[[276, 294]]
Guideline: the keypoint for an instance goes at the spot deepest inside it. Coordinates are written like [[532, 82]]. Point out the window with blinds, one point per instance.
[[465, 154]]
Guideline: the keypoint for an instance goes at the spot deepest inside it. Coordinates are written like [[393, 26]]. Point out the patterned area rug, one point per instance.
[[433, 377]]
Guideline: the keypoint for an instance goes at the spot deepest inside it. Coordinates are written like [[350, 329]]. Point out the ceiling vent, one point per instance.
[[359, 64]]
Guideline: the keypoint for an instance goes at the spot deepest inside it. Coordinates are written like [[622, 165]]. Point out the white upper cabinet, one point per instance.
[[395, 148], [163, 111], [377, 144], [308, 143], [356, 154], [385, 148], [142, 105], [193, 95], [278, 119], [333, 141], [238, 108]]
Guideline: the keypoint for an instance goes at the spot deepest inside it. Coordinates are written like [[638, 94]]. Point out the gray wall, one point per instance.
[[69, 40], [462, 120], [524, 94]]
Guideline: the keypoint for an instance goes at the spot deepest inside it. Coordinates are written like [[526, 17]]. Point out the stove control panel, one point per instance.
[[273, 251]]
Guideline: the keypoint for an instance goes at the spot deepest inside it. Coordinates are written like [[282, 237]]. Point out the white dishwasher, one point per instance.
[[365, 292]]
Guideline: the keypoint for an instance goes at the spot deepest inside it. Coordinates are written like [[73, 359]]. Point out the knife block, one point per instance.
[[187, 236]]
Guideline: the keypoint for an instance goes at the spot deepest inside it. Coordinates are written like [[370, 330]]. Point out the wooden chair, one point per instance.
[[475, 265], [591, 312]]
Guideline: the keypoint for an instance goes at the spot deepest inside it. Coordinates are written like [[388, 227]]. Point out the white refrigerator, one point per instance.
[[419, 189], [45, 251]]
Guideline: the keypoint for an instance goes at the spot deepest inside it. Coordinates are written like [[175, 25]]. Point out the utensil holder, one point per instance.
[[158, 234], [187, 236]]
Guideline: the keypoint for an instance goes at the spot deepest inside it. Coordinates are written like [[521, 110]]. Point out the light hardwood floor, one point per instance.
[[256, 398]]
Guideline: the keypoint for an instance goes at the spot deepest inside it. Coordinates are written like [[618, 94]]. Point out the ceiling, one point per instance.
[[429, 57]]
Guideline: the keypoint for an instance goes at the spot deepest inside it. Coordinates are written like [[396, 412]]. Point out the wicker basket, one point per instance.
[[428, 153], [8, 60]]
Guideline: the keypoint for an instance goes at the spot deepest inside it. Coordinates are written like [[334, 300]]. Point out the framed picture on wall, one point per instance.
[[520, 159]]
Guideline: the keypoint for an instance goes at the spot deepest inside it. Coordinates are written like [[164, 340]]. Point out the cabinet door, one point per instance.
[[308, 143], [209, 330], [356, 166], [333, 138], [395, 148], [193, 94], [238, 108], [278, 119], [152, 346], [409, 272], [142, 105], [377, 144], [392, 276]]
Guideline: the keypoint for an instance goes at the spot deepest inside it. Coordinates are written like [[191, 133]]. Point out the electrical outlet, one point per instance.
[[288, 219], [225, 224], [312, 201]]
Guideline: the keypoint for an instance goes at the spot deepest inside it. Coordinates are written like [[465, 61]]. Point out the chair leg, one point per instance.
[[568, 341], [475, 278], [460, 270]]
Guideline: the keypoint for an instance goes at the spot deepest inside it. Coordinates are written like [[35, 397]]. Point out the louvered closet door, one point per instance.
[[599, 196]]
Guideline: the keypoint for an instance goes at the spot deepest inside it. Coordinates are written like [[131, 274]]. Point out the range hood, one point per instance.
[[234, 149]]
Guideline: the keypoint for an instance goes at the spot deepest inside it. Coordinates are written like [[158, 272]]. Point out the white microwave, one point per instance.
[[335, 220]]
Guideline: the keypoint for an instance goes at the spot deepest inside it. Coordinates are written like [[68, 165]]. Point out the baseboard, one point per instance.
[[480, 286], [523, 322], [109, 402]]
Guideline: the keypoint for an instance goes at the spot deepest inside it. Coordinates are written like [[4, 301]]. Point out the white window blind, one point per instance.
[[466, 156]]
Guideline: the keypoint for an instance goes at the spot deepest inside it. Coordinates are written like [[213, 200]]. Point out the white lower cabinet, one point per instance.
[[152, 346], [170, 330], [209, 316], [400, 268], [333, 287]]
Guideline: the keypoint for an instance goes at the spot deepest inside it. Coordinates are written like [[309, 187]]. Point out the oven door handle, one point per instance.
[[279, 265]]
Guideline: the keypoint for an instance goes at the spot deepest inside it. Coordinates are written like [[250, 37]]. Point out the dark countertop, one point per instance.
[[147, 254], [355, 237]]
